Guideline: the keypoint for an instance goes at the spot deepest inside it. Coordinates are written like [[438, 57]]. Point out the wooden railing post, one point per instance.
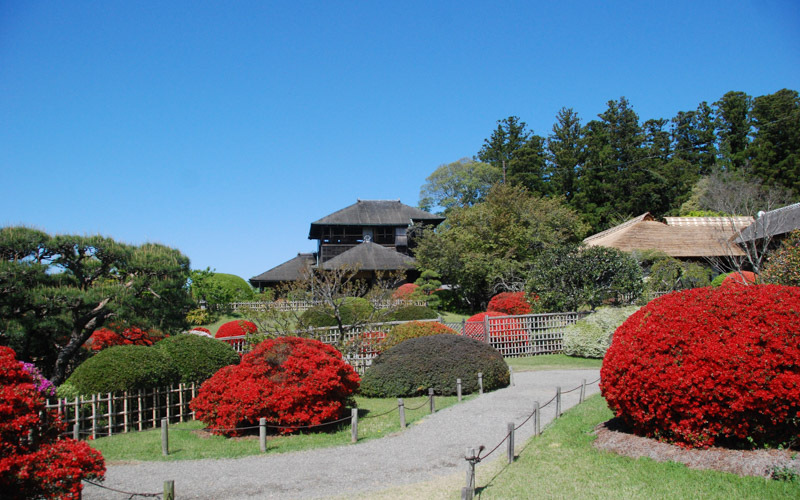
[[430, 397], [354, 425], [401, 408], [536, 421], [458, 389], [558, 401], [169, 490], [262, 434], [480, 383], [164, 437], [583, 390]]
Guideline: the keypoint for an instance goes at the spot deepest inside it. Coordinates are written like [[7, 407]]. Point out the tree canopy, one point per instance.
[[459, 184], [56, 290]]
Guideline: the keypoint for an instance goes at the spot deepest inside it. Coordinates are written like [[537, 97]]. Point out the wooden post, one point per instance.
[[536, 421], [354, 425], [110, 414], [401, 408], [583, 391], [125, 411], [76, 431], [164, 437], [486, 328], [180, 402], [458, 389], [511, 375], [169, 490], [262, 434], [510, 442], [94, 416], [430, 398], [139, 402], [558, 402], [480, 383], [470, 488]]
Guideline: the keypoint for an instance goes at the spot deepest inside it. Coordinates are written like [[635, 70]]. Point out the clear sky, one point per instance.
[[224, 129]]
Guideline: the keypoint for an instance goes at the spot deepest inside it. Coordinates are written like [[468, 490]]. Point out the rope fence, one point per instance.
[[473, 458]]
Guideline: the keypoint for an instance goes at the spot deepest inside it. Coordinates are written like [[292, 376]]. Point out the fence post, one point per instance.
[[262, 434], [583, 390], [510, 442], [469, 491], [558, 401], [480, 383], [511, 375], [458, 389], [536, 421], [76, 431], [354, 425], [486, 329], [401, 408], [430, 397], [164, 437], [169, 490]]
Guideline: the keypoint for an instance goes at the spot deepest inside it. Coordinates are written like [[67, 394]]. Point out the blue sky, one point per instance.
[[224, 129]]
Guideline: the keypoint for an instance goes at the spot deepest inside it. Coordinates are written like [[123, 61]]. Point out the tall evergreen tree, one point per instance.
[[694, 138], [518, 151], [775, 150], [563, 153], [732, 113]]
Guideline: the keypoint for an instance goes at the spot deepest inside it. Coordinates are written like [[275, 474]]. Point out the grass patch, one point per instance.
[[552, 362], [186, 443], [563, 464], [223, 318], [450, 317]]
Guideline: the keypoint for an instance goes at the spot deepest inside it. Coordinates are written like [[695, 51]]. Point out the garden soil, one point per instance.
[[431, 448]]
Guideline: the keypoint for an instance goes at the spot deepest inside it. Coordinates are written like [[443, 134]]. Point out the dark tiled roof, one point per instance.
[[374, 213], [290, 270], [369, 256], [773, 223]]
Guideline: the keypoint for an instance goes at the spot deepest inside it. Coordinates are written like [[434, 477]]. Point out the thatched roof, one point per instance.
[[773, 223], [737, 222], [291, 270], [688, 240], [374, 213], [369, 256]]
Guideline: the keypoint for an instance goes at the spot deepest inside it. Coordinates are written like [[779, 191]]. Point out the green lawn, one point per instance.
[[561, 463], [223, 318], [185, 443], [552, 362]]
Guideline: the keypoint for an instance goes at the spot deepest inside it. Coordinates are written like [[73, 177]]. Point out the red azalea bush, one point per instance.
[[105, 337], [710, 366], [290, 381], [404, 292], [511, 303], [413, 330], [506, 332], [740, 278], [236, 329], [45, 466], [369, 343], [201, 329]]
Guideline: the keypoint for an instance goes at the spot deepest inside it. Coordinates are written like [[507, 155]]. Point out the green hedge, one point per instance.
[[123, 368], [591, 336], [416, 365], [413, 330], [352, 310], [410, 313], [197, 358]]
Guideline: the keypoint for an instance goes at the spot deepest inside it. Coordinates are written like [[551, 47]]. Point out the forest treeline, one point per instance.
[[616, 166]]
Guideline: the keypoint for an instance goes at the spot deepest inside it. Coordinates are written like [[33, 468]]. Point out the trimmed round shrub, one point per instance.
[[511, 303], [740, 278], [718, 279], [710, 366], [411, 368], [352, 310], [45, 467], [197, 358], [123, 368], [236, 328], [317, 317], [414, 329], [411, 313], [289, 381], [591, 336], [405, 291]]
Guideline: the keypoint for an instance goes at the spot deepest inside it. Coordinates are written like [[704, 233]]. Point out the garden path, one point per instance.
[[431, 448]]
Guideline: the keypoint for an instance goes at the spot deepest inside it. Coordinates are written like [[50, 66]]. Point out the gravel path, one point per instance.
[[431, 448]]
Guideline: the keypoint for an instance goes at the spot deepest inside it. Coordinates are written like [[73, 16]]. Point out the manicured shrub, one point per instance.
[[124, 368], [46, 466], [103, 338], [405, 291], [414, 329], [197, 358], [740, 278], [236, 328], [710, 366], [289, 381], [717, 281], [411, 368], [591, 336], [783, 265], [352, 310], [317, 317], [510, 303], [411, 313]]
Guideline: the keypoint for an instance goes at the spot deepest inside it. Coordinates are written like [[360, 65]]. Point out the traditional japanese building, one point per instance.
[[372, 235]]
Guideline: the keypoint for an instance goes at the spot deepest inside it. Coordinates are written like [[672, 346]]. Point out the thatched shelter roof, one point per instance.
[[291, 270], [373, 213], [369, 256], [773, 223], [692, 239]]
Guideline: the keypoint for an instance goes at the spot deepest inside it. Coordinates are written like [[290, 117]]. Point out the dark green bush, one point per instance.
[[317, 317], [197, 358], [124, 368], [412, 367], [352, 310], [410, 313], [717, 281]]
